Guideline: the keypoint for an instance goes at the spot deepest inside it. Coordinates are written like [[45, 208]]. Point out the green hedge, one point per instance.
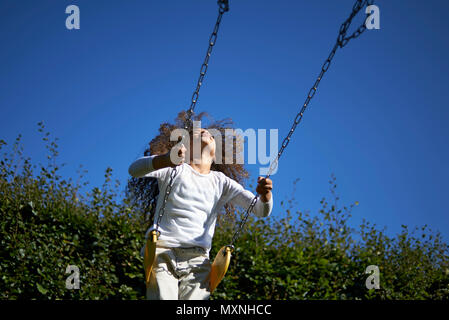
[[47, 223]]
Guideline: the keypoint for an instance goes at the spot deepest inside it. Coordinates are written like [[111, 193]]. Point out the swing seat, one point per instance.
[[219, 267], [149, 255]]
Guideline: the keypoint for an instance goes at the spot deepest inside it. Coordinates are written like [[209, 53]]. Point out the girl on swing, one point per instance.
[[201, 189]]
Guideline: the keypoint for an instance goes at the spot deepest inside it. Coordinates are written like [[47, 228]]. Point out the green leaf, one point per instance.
[[41, 289]]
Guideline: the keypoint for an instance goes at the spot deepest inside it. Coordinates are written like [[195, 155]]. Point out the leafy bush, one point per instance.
[[321, 257], [47, 224]]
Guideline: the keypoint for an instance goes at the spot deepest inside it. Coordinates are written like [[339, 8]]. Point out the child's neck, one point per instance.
[[202, 167]]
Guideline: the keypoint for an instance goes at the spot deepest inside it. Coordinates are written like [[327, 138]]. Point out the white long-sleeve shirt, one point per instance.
[[192, 207]]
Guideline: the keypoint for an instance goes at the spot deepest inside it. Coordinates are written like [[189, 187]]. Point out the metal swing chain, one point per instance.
[[342, 41], [223, 6]]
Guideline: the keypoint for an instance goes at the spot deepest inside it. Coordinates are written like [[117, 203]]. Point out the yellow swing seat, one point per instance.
[[219, 267], [149, 255]]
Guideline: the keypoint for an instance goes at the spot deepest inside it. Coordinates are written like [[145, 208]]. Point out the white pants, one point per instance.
[[180, 274]]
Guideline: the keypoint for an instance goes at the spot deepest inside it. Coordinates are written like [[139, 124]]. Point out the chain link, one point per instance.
[[342, 40], [223, 6]]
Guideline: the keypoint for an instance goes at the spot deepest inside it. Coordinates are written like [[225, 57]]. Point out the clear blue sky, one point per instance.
[[378, 121]]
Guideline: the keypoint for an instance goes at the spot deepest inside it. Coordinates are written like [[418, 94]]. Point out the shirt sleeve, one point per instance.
[[143, 168], [237, 195]]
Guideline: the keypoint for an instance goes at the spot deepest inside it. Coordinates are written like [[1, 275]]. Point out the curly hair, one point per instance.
[[144, 191]]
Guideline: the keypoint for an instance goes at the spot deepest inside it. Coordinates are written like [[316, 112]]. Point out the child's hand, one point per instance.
[[177, 155], [264, 187]]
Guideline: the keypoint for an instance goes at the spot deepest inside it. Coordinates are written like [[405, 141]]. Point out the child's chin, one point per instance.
[[207, 142]]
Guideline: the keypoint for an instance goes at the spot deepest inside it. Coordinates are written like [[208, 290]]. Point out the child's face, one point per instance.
[[205, 138]]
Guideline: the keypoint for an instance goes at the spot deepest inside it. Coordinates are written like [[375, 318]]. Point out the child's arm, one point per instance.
[[144, 166], [242, 198]]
